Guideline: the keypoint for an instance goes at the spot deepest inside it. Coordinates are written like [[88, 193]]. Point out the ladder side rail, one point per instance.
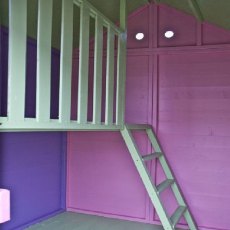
[[175, 187], [146, 178], [66, 61], [43, 90]]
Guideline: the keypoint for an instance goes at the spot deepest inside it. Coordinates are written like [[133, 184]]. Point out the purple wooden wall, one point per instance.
[[32, 165], [182, 87]]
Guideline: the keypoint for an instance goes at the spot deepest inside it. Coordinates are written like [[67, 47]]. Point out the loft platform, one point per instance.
[[113, 107]]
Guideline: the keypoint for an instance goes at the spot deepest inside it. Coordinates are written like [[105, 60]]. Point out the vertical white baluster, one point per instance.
[[66, 60], [121, 66], [109, 77], [97, 90], [44, 60], [17, 59], [83, 64]]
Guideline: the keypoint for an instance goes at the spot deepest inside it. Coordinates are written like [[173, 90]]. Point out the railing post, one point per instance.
[[97, 87], [44, 60], [109, 77], [17, 60], [83, 64], [66, 60], [121, 65]]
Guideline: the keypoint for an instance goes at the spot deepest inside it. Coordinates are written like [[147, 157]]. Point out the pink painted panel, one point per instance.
[[183, 25], [4, 205], [215, 35], [193, 129], [138, 23], [137, 89], [102, 177]]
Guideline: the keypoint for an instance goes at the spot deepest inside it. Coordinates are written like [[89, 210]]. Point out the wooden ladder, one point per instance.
[[169, 223]]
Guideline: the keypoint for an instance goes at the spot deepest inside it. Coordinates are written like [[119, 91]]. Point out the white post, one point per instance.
[[17, 59], [44, 60], [97, 87], [83, 64], [109, 77], [121, 65], [66, 61]]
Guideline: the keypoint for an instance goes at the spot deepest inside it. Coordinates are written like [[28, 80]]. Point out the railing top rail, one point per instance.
[[94, 12]]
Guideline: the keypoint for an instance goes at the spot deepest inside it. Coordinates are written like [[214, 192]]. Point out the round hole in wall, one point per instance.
[[169, 34], [139, 36]]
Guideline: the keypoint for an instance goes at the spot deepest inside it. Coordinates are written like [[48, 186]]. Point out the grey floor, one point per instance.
[[75, 221]]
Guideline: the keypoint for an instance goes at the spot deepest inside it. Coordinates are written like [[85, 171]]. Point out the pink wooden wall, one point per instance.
[[182, 87]]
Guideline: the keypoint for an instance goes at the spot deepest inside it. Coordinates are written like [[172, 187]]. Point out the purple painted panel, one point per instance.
[[183, 25], [30, 167], [31, 68], [4, 71]]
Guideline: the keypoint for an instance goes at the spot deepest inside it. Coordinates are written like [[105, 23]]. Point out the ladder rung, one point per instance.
[[177, 215], [139, 127], [151, 156], [165, 184]]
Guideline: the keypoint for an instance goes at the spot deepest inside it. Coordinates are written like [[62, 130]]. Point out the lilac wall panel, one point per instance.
[[4, 71], [30, 167]]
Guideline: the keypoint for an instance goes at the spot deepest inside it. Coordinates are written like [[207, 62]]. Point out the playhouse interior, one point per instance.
[[98, 97]]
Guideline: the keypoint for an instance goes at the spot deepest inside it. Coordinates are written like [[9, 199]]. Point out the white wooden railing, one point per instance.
[[16, 119]]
